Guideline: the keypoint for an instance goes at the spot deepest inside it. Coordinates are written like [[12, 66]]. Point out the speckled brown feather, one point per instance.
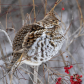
[[22, 40], [19, 39]]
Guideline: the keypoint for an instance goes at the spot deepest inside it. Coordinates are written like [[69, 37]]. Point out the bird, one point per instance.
[[38, 42]]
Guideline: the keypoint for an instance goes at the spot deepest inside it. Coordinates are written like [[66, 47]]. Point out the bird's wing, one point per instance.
[[31, 37], [26, 36]]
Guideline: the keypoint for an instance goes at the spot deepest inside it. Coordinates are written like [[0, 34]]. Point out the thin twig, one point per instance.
[[75, 36], [28, 18], [75, 61], [45, 7], [6, 20], [81, 20], [63, 60], [0, 6], [11, 76], [76, 32], [34, 11], [7, 36], [56, 3], [62, 57], [35, 74], [2, 52], [21, 9], [3, 55], [44, 75]]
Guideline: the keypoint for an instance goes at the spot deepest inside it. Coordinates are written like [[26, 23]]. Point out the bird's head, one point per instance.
[[49, 20]]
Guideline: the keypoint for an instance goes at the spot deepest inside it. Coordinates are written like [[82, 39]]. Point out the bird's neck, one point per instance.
[[44, 24]]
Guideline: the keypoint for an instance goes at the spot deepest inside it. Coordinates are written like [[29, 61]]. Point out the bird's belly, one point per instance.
[[44, 49]]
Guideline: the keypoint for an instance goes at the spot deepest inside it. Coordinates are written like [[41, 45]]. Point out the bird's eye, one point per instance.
[[53, 20]]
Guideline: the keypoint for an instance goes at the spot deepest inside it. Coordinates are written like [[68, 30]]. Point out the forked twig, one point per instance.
[[75, 61], [56, 3], [32, 74]]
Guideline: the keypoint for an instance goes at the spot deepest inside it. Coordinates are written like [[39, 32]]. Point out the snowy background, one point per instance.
[[11, 20]]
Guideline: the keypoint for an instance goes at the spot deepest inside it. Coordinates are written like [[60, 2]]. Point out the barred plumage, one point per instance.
[[38, 42]]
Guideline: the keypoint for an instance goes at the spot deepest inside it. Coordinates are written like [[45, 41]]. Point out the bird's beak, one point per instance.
[[59, 20]]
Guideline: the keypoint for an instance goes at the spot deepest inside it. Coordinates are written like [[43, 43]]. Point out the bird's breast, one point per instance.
[[45, 47]]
